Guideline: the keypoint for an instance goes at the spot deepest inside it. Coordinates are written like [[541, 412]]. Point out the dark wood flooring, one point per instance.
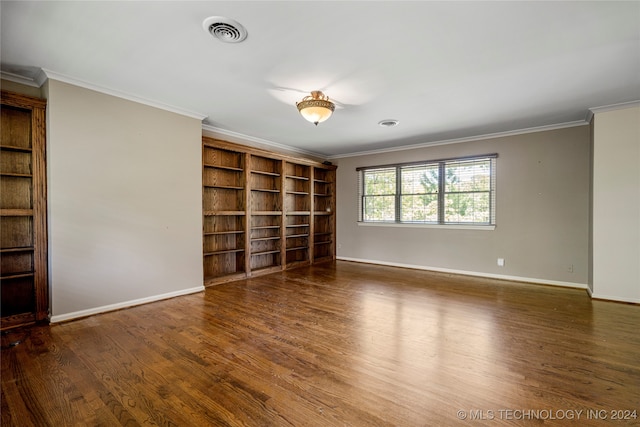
[[337, 344]]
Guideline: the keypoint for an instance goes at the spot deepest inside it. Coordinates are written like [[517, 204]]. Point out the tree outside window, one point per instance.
[[454, 191]]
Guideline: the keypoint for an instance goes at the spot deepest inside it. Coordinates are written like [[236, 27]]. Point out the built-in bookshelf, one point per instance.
[[324, 220], [266, 214], [297, 219], [224, 212], [23, 211], [258, 211]]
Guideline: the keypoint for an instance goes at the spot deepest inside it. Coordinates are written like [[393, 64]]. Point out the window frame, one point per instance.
[[441, 192]]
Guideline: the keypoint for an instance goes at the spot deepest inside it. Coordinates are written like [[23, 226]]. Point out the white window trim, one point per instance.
[[478, 226], [421, 225]]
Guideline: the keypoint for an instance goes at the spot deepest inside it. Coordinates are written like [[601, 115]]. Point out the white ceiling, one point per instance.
[[445, 70]]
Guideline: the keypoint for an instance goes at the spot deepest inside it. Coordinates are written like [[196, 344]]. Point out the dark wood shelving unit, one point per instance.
[[270, 200], [324, 220], [298, 214], [265, 206], [23, 211], [224, 212]]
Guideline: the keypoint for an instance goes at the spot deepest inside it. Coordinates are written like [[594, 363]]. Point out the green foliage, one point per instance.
[[467, 190], [379, 190]]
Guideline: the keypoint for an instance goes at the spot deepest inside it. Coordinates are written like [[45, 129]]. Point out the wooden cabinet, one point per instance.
[[259, 211], [23, 223]]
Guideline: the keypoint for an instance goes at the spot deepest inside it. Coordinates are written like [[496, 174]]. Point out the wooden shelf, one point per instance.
[[16, 320], [229, 168], [265, 190], [301, 178], [274, 251], [296, 225], [297, 248], [17, 275], [299, 193], [258, 239], [265, 173], [326, 242], [237, 213], [222, 233], [263, 227], [224, 187], [16, 212], [266, 270], [20, 249], [16, 175], [267, 213], [223, 251], [322, 213], [293, 213], [297, 235], [14, 148]]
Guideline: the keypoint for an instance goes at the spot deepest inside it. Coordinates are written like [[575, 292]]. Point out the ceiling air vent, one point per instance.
[[225, 29], [388, 123]]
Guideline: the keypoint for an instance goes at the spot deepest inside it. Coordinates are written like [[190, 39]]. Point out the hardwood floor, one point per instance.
[[338, 344]]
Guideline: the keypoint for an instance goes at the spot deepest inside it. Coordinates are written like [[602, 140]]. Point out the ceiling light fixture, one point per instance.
[[316, 107]]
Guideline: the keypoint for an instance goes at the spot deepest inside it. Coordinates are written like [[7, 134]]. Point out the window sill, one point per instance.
[[419, 225]]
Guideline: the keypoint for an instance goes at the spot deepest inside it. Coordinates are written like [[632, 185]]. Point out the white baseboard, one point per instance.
[[610, 298], [590, 292], [126, 304], [617, 299], [471, 273]]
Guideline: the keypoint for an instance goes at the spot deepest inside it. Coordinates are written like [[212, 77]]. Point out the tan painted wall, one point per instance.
[[616, 205], [20, 88], [124, 195], [542, 213]]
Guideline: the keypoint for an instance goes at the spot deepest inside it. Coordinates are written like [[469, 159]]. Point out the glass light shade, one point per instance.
[[316, 114], [316, 108]]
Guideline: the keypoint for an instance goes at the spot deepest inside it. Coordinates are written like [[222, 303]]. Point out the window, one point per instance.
[[451, 191], [379, 201]]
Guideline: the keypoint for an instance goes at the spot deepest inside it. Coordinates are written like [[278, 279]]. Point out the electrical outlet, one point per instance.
[[570, 268], [500, 262]]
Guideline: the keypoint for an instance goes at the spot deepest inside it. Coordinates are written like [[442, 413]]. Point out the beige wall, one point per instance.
[[124, 199], [616, 205], [542, 212], [20, 88]]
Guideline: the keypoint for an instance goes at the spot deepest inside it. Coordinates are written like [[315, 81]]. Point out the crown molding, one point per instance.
[[16, 78], [48, 74], [594, 110], [255, 142], [589, 116], [465, 139], [612, 107], [41, 77]]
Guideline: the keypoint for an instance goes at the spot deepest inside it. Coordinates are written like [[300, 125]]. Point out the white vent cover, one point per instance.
[[225, 29]]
